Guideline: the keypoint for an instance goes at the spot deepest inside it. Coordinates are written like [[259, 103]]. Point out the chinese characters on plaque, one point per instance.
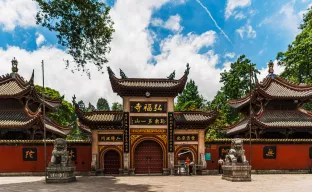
[[148, 120], [185, 137], [269, 152], [111, 138], [223, 151], [148, 107], [170, 132], [72, 153], [29, 154], [126, 132]]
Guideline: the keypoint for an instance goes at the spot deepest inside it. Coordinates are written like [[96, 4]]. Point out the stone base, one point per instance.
[[166, 171], [236, 172], [60, 174], [131, 171]]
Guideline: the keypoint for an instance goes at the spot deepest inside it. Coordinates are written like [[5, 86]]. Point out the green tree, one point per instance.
[[90, 108], [84, 27], [102, 104], [236, 80], [65, 114], [82, 106], [76, 133], [117, 106], [297, 60], [189, 99]]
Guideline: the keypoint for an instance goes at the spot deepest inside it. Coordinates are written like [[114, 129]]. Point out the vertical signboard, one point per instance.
[[126, 132], [170, 132]]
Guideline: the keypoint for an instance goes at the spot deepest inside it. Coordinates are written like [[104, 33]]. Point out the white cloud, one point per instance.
[[240, 16], [173, 23], [246, 30], [227, 66], [302, 12], [40, 39], [231, 5], [17, 13], [131, 51], [261, 51], [229, 55], [264, 71]]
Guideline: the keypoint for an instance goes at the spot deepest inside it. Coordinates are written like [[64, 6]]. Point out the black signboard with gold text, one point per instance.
[[223, 151], [29, 154], [170, 132], [185, 137], [310, 152], [269, 152], [111, 138], [126, 132], [148, 107], [148, 120], [72, 153]]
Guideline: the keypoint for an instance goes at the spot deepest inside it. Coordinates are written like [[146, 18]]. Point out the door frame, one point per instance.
[[102, 153], [162, 145]]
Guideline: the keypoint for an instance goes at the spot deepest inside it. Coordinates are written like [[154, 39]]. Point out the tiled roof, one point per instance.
[[13, 85], [238, 127], [42, 141], [284, 118], [54, 129], [103, 116], [192, 119], [276, 88], [139, 86], [229, 140], [16, 119], [275, 119]]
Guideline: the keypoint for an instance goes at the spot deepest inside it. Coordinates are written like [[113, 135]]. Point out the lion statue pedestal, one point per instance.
[[60, 169], [236, 167]]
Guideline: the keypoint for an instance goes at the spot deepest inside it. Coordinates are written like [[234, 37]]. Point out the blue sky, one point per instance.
[[155, 32]]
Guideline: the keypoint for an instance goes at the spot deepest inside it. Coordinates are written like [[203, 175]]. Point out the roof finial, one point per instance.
[[187, 69], [74, 100], [31, 81], [122, 74], [271, 69], [14, 65], [172, 75], [110, 71]]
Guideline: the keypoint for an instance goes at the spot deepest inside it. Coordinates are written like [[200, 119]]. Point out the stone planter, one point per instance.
[[60, 174]]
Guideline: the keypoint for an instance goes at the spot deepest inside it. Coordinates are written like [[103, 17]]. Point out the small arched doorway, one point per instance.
[[148, 157], [183, 154], [111, 162]]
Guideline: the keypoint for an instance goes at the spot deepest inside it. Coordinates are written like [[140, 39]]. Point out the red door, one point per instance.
[[148, 158], [111, 162]]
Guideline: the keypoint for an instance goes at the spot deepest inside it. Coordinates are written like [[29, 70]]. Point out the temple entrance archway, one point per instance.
[[148, 157], [111, 162]]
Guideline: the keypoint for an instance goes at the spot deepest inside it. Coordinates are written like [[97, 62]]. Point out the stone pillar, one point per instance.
[[95, 151], [201, 144], [171, 163]]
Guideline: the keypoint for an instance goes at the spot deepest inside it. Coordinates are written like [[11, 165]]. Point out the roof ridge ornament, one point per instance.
[[122, 74], [271, 69], [172, 75], [187, 71], [14, 65], [31, 81], [110, 71]]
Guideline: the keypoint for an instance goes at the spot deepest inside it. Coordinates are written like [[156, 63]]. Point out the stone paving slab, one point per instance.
[[260, 183]]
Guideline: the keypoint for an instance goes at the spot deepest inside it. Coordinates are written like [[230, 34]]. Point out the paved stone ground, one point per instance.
[[260, 183]]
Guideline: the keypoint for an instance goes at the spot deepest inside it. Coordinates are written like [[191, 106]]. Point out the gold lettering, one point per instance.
[[30, 154], [113, 138], [178, 138], [107, 138], [156, 121], [138, 107], [270, 153], [159, 107], [150, 121], [155, 107], [193, 138], [71, 153], [149, 108], [188, 138], [183, 137], [162, 121]]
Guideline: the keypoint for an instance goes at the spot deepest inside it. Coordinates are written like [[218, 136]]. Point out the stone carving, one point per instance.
[[60, 169], [236, 153], [236, 167], [60, 156]]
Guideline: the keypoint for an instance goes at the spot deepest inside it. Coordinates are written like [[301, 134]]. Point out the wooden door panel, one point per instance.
[[148, 158], [111, 162]]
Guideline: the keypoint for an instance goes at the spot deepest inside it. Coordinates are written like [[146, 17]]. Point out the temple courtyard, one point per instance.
[[263, 183]]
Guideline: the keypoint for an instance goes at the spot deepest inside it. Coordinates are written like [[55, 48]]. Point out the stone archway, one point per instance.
[[148, 157]]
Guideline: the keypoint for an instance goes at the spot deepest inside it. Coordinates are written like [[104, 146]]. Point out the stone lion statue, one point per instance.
[[236, 153], [60, 156]]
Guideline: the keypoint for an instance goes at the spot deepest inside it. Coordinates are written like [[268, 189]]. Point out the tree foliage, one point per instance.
[[117, 106], [297, 60], [190, 99], [91, 108], [65, 114], [102, 104], [82, 106], [76, 133], [84, 27], [236, 80]]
